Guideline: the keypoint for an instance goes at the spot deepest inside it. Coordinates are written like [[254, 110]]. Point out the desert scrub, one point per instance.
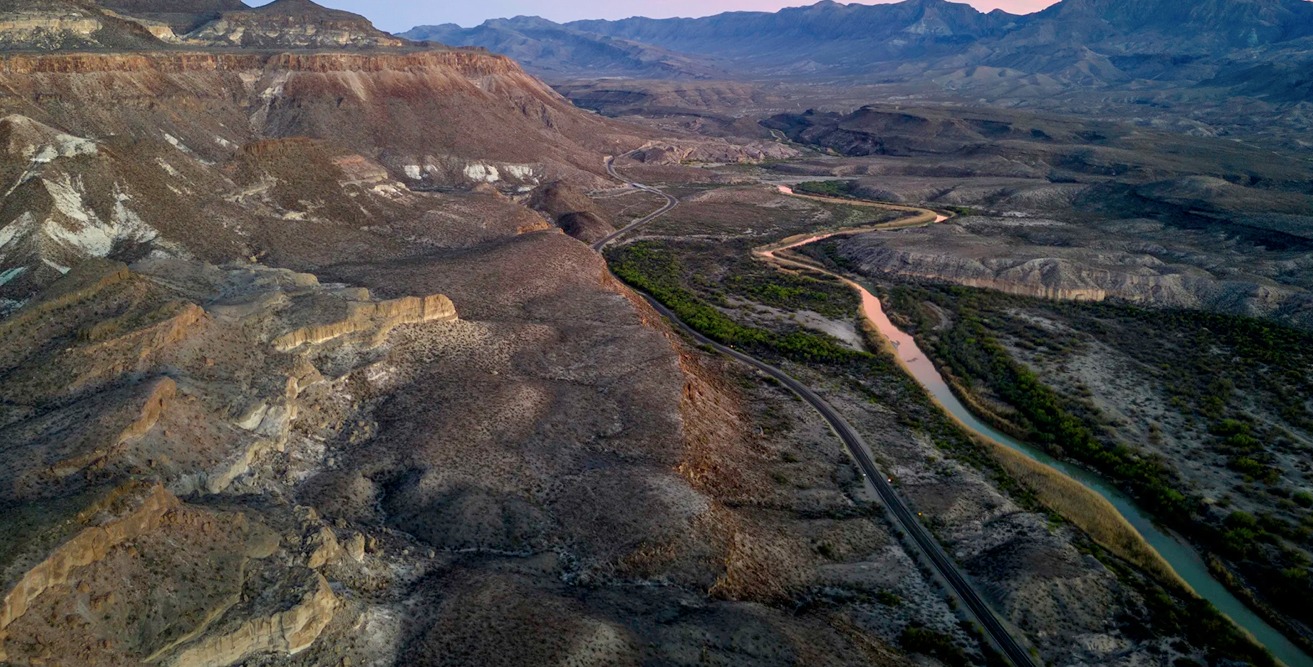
[[658, 269], [757, 282], [1236, 386], [934, 644], [654, 269], [827, 188]]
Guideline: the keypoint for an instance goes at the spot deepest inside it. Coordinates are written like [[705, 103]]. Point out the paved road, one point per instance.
[[671, 203], [997, 632], [947, 569]]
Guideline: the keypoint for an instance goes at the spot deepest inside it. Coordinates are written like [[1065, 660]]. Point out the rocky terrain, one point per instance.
[[303, 361], [1076, 605], [295, 23], [299, 368], [50, 25], [1052, 207], [262, 158], [1056, 260], [109, 423]]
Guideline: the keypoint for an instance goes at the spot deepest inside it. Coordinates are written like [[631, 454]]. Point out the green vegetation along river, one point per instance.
[[1181, 556]]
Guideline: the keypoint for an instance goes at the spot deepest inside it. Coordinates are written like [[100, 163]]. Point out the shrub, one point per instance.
[[827, 188], [934, 644]]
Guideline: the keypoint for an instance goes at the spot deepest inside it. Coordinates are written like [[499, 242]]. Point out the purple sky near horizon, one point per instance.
[[398, 15]]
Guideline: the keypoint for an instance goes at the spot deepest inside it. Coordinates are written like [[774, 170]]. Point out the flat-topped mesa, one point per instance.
[[374, 317]]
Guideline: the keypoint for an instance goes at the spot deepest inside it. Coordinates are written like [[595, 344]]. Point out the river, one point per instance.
[[1181, 556]]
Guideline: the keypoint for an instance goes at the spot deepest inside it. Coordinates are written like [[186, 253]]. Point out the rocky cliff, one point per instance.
[[1052, 260], [419, 105], [189, 143], [180, 16], [47, 25]]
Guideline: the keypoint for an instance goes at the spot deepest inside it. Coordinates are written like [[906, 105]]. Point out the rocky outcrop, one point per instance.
[[376, 318], [466, 63], [984, 253], [573, 211], [107, 460], [32, 28], [62, 24], [292, 24], [714, 151], [85, 548], [286, 632], [48, 25], [141, 518], [179, 16]]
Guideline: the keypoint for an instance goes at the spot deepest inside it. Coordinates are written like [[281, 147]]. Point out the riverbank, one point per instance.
[[1087, 510], [1104, 519]]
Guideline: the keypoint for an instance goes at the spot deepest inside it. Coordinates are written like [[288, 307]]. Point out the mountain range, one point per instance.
[[1261, 50]]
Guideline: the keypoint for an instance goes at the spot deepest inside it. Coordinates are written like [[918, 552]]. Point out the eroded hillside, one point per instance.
[[294, 371]]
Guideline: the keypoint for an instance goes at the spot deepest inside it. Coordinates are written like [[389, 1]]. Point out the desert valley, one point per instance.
[[896, 334]]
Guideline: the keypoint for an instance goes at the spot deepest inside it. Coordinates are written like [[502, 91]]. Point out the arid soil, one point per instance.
[[281, 386], [305, 360], [1076, 602]]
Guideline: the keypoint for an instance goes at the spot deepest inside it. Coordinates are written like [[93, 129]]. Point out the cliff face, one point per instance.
[[1001, 255], [193, 151], [47, 25], [417, 107]]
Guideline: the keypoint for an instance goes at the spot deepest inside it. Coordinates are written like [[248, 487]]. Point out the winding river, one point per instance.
[[1180, 555]]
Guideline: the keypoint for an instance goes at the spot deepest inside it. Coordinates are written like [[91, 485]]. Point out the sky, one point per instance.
[[399, 15]]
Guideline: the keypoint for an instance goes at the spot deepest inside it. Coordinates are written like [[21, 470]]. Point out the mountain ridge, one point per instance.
[[1100, 43]]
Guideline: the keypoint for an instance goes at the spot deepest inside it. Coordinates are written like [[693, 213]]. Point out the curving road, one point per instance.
[[994, 628], [671, 203]]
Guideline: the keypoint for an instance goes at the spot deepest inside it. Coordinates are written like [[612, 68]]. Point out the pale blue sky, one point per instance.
[[398, 15]]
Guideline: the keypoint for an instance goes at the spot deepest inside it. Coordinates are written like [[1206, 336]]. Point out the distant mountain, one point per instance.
[[1075, 43], [1199, 26], [827, 33], [562, 49]]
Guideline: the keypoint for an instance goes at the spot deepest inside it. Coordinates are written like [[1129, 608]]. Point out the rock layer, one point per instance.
[[99, 462], [983, 253]]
